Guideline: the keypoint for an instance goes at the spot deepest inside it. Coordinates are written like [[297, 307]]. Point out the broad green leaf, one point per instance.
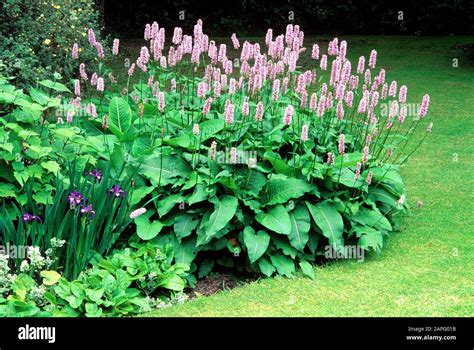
[[224, 211], [266, 267], [7, 190], [184, 224], [51, 166], [372, 218], [252, 182], [300, 225], [209, 128], [307, 269], [328, 219], [381, 195], [50, 277], [161, 171], [284, 265], [278, 164], [276, 219], [369, 238], [166, 204], [256, 244], [281, 189], [200, 194], [54, 85], [120, 114], [147, 230]]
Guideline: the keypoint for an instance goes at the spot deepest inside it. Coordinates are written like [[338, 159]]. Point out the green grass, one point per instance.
[[425, 269]]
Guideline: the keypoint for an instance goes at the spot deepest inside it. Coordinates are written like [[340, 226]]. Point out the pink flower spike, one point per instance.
[[74, 52], [196, 129], [361, 65], [233, 155], [131, 70], [136, 213], [315, 52], [287, 118], [115, 47], [424, 106], [304, 133], [402, 96], [77, 87], [229, 113], [259, 111], [100, 84], [330, 159], [340, 111], [212, 150], [373, 59], [161, 101], [357, 172], [235, 41], [324, 62], [365, 155], [369, 177], [392, 91], [341, 147]]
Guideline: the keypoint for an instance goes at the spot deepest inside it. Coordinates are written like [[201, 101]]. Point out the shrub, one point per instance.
[[37, 36], [263, 169]]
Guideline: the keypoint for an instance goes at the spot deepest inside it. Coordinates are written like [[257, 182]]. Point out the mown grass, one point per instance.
[[425, 269]]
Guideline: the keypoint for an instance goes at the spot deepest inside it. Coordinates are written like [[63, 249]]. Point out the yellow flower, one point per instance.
[[84, 34], [47, 41]]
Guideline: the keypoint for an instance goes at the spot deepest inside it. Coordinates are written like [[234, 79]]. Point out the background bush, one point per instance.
[[36, 36], [252, 17]]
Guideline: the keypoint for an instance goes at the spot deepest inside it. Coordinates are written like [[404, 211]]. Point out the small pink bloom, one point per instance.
[[161, 101], [115, 47], [373, 59], [424, 106], [100, 84], [229, 113], [75, 50], [287, 118], [402, 96], [369, 177], [212, 150], [136, 213], [341, 147], [196, 129], [259, 111], [304, 133]]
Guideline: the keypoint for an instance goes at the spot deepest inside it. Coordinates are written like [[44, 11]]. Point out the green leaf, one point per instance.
[[278, 164], [328, 219], [166, 204], [161, 171], [54, 85], [300, 225], [276, 220], [284, 265], [7, 190], [224, 211], [379, 194], [93, 310], [51, 166], [256, 244], [252, 182], [147, 230], [209, 128], [369, 238], [184, 224], [307, 269], [266, 267], [120, 114], [280, 189], [373, 218], [200, 194]]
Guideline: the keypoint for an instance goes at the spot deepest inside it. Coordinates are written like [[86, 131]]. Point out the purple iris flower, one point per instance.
[[117, 191], [75, 198], [96, 174], [87, 210], [27, 217]]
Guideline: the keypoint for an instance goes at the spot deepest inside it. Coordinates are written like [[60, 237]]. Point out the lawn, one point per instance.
[[426, 268]]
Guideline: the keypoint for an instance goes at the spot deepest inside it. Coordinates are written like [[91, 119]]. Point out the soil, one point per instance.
[[212, 284]]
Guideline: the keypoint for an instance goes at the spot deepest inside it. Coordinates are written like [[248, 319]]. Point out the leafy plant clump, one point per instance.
[[253, 163], [133, 280]]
